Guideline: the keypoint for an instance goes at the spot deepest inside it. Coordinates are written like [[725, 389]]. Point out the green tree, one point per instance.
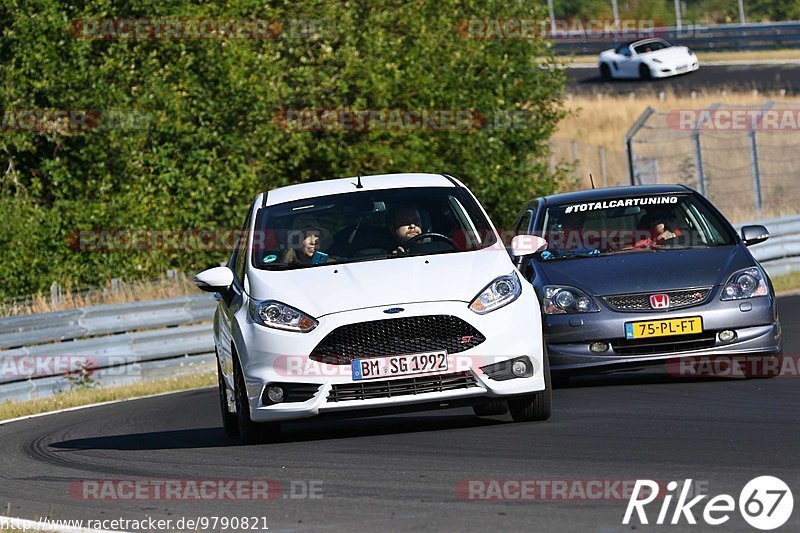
[[189, 130]]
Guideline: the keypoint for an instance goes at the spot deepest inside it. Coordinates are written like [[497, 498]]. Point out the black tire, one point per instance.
[[645, 73], [605, 71], [230, 424], [491, 408], [534, 407], [251, 432]]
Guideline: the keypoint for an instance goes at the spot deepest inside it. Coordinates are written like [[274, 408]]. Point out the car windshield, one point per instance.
[[651, 46], [369, 225], [631, 224]]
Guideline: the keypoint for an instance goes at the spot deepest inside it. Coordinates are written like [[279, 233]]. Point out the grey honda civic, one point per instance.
[[642, 275]]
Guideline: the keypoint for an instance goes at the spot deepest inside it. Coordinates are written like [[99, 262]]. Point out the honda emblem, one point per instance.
[[659, 301]]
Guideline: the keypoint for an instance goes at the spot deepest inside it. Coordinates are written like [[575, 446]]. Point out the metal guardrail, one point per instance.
[[38, 352], [723, 37], [780, 254], [104, 320], [142, 341]]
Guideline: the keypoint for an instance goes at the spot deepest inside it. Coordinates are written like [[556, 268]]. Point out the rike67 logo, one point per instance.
[[765, 503]]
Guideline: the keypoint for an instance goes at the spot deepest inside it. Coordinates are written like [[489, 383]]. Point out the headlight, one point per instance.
[[691, 52], [656, 60], [561, 300], [281, 316], [502, 291], [745, 283]]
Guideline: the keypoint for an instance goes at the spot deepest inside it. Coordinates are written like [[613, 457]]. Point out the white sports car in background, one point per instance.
[[646, 59]]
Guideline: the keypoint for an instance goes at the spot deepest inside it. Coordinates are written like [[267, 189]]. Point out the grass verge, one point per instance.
[[88, 396], [787, 283]]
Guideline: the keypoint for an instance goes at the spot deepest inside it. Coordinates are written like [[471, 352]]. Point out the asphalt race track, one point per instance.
[[708, 79], [401, 472]]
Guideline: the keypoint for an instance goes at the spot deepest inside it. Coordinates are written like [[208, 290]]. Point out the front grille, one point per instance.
[[659, 345], [397, 336], [365, 390], [641, 302]]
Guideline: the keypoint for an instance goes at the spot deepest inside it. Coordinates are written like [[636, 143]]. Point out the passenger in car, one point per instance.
[[662, 229], [308, 252]]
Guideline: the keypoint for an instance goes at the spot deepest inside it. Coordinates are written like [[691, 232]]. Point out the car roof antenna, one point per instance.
[[591, 179], [358, 185]]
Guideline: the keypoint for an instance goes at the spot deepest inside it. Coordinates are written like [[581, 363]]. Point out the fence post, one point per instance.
[[629, 142], [603, 166], [56, 296], [756, 171], [757, 193], [575, 159], [698, 164]]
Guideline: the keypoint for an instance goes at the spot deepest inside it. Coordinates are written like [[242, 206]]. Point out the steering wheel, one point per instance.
[[413, 241]]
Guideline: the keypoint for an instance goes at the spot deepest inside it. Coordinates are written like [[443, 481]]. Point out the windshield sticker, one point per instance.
[[270, 258], [627, 202]]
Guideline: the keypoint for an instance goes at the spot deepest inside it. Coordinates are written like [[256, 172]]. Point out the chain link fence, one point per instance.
[[745, 159]]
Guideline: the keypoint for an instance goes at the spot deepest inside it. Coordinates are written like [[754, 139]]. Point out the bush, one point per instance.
[[198, 129]]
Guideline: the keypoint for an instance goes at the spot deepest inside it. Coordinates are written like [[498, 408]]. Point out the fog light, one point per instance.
[[598, 347], [275, 394], [727, 335], [519, 368]]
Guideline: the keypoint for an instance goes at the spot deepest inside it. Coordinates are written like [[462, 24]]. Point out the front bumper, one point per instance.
[[661, 71], [754, 321], [272, 356]]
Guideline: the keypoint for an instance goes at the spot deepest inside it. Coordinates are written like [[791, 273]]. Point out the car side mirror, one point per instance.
[[217, 279], [754, 234], [523, 245]]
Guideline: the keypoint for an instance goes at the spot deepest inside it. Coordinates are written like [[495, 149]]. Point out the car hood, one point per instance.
[[647, 271], [334, 288], [673, 54]]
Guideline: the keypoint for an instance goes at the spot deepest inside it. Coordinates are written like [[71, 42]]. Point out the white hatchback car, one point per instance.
[[376, 294]]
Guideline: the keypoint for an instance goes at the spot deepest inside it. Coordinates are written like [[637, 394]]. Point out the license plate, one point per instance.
[[664, 328], [399, 365], [682, 67]]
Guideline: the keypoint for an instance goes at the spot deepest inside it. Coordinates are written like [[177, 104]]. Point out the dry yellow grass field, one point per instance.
[[602, 120], [179, 285]]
